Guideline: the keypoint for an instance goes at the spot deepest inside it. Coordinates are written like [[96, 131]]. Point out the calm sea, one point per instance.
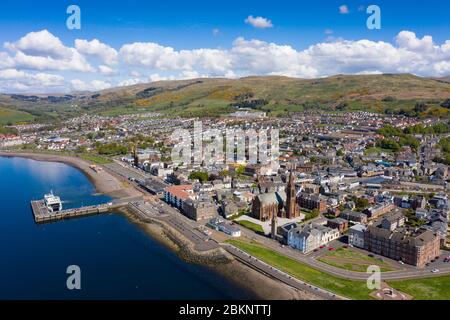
[[117, 260]]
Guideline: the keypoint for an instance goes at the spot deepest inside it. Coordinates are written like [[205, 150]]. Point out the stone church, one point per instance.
[[281, 204]]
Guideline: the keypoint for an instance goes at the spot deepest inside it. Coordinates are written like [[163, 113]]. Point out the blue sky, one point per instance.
[[189, 25]]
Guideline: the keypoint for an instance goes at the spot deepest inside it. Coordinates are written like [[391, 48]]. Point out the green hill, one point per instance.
[[401, 94], [10, 116]]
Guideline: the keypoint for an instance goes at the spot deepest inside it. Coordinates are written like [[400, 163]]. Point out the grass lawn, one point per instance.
[[95, 159], [13, 116], [353, 260], [376, 150], [436, 288], [250, 225], [348, 288]]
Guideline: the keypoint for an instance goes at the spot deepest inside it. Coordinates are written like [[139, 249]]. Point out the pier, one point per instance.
[[41, 213]]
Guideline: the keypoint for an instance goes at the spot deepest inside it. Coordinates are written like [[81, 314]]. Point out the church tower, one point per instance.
[[292, 210], [273, 233]]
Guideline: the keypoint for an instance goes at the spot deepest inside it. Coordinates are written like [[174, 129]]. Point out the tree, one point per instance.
[[388, 144], [446, 104], [240, 169], [111, 149], [224, 173], [200, 176], [312, 215]]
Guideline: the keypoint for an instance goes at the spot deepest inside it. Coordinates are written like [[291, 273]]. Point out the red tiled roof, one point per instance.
[[181, 192]]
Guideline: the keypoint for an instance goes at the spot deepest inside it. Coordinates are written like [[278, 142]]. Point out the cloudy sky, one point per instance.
[[128, 42]]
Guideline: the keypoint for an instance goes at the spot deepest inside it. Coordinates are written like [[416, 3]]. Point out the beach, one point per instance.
[[105, 182]]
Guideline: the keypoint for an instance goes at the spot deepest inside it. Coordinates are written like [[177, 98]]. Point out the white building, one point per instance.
[[356, 235], [310, 237]]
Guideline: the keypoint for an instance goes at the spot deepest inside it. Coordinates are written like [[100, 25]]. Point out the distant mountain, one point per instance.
[[389, 93]]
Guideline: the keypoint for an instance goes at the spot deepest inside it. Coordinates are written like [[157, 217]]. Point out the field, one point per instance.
[[420, 289], [95, 159], [352, 260], [250, 225], [8, 116], [437, 288], [351, 289], [376, 151]]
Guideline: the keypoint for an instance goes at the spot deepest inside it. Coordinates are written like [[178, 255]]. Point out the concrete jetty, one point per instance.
[[41, 213]]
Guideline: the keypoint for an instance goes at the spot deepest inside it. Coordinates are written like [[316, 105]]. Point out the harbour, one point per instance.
[[42, 214], [104, 245]]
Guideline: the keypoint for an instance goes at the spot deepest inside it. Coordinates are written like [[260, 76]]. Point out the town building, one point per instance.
[[268, 204], [378, 210], [414, 247], [353, 216], [393, 221], [292, 210], [197, 210], [312, 202], [177, 195], [310, 237], [338, 223], [356, 235], [280, 204], [219, 224]]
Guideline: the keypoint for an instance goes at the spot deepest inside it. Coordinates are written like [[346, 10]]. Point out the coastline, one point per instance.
[[259, 285], [104, 182]]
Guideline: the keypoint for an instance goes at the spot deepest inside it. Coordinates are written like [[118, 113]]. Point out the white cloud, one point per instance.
[[155, 56], [442, 68], [216, 32], [107, 71], [130, 82], [13, 80], [260, 57], [43, 51], [75, 63], [156, 77], [409, 41], [96, 48], [344, 9], [6, 61], [259, 22], [94, 85], [41, 43], [28, 63]]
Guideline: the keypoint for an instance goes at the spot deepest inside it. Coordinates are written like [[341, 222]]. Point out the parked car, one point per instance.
[[435, 270]]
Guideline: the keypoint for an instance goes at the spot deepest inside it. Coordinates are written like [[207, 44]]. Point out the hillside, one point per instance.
[[404, 94]]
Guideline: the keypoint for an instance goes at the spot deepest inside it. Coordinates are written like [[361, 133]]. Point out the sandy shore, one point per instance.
[[104, 182]]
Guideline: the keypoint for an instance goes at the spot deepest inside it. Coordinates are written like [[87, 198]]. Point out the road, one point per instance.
[[278, 274], [201, 241], [150, 212], [409, 273]]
